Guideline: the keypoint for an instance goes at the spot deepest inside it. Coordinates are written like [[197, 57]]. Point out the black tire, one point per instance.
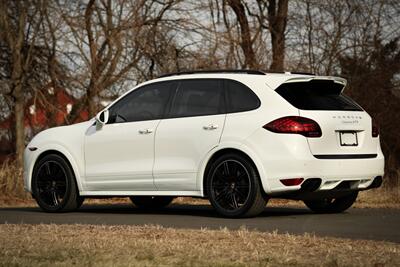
[[151, 202], [54, 185], [332, 205], [234, 188]]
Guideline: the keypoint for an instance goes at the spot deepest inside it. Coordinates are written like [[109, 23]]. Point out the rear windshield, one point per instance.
[[317, 95]]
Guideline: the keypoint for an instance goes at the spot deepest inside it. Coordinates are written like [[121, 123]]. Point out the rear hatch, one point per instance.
[[346, 127]]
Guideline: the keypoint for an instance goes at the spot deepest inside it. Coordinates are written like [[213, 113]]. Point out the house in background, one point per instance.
[[49, 110]]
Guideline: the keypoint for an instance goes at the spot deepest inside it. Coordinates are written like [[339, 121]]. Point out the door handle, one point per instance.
[[146, 131], [210, 127]]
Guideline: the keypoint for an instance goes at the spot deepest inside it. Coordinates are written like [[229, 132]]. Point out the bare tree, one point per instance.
[[272, 15], [246, 40], [20, 24], [277, 18], [321, 32], [106, 40]]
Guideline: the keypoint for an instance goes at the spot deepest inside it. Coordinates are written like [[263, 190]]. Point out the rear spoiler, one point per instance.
[[275, 83], [337, 80]]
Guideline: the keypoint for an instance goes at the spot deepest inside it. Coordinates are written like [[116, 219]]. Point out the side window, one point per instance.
[[240, 97], [145, 103], [198, 97]]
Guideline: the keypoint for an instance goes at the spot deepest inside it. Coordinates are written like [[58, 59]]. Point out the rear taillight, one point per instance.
[[295, 125], [375, 129]]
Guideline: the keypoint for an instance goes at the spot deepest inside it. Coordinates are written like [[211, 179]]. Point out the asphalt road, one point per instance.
[[374, 224]]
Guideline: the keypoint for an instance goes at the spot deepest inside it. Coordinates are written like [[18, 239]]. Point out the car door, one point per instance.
[[120, 155], [192, 127]]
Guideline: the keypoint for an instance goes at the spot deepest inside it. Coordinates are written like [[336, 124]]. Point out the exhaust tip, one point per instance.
[[376, 183], [311, 184]]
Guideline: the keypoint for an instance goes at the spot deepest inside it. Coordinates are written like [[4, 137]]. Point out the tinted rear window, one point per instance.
[[198, 98], [317, 95]]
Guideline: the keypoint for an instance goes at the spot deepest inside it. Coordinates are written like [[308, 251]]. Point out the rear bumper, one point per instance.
[[331, 172], [310, 189], [289, 156]]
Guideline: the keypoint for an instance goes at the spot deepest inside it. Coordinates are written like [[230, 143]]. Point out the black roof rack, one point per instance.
[[256, 72], [302, 73]]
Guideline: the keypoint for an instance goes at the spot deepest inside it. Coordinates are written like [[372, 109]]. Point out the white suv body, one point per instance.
[[168, 155]]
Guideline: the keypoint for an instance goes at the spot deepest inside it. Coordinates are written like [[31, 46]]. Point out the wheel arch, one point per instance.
[[66, 156], [225, 150]]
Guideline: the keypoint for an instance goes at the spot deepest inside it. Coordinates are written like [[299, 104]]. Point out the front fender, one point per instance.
[[31, 157]]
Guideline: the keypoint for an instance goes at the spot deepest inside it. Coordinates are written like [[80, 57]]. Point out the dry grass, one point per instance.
[[85, 245], [379, 198], [12, 194], [11, 181]]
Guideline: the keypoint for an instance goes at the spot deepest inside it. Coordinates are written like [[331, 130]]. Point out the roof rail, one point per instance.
[[256, 72], [302, 73]]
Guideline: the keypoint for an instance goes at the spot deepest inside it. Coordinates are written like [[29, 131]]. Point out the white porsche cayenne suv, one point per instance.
[[237, 138]]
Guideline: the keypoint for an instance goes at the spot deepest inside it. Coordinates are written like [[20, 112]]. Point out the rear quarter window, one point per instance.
[[317, 95], [240, 97]]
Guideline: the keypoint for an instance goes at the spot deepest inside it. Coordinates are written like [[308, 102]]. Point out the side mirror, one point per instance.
[[102, 118]]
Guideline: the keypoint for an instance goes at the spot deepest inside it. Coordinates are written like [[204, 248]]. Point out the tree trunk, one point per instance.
[[15, 38], [246, 43], [92, 95], [277, 18], [19, 130], [17, 81], [18, 96], [92, 107]]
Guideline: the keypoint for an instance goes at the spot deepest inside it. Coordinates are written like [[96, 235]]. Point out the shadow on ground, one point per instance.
[[175, 209]]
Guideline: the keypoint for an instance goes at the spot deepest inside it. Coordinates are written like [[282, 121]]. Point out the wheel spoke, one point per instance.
[[44, 192], [222, 194], [60, 183], [241, 186], [235, 170], [240, 194], [231, 201], [219, 186], [54, 198], [226, 168], [235, 203], [41, 184], [47, 167], [221, 175]]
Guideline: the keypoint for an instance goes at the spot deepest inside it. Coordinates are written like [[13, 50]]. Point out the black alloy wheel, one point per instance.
[[234, 187], [54, 186]]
